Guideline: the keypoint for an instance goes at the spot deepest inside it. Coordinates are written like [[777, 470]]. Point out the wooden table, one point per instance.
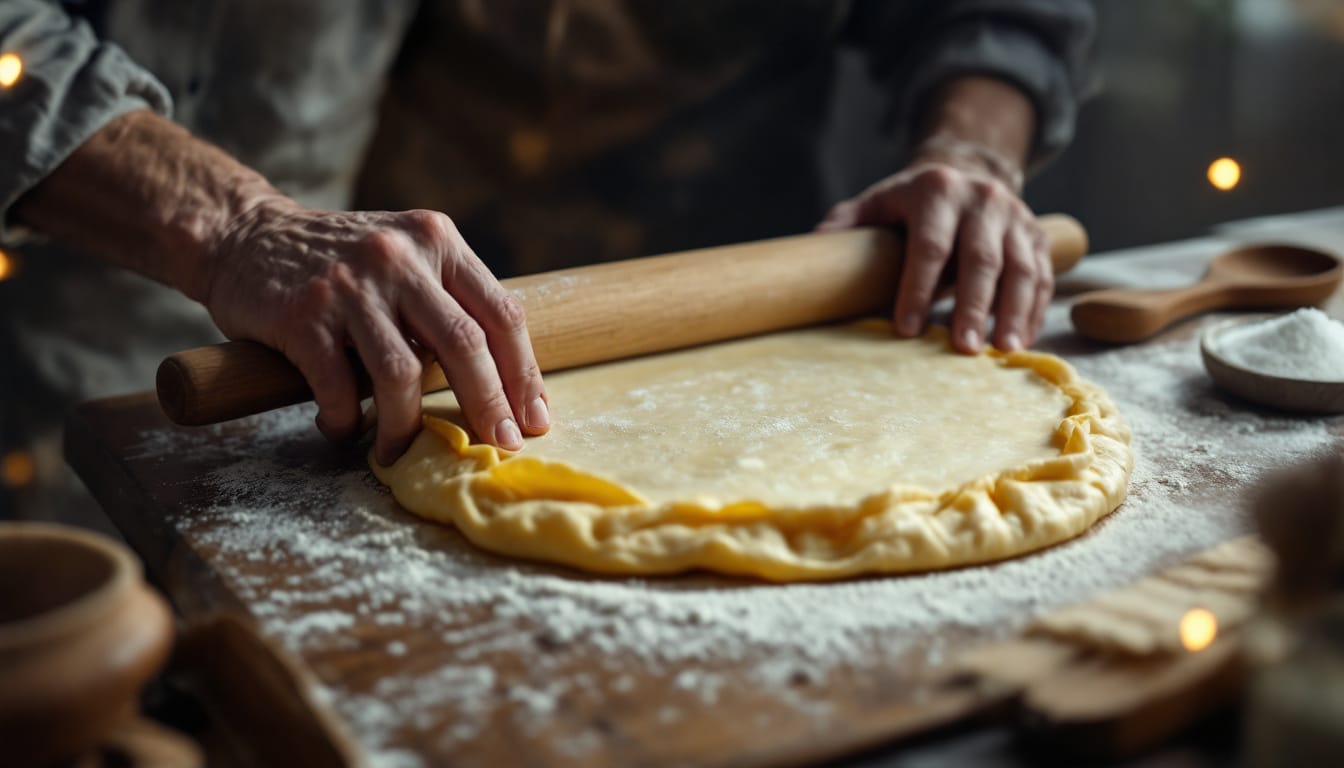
[[328, 625]]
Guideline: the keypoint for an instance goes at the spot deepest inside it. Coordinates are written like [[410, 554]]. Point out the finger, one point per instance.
[[496, 311], [1017, 291], [317, 349], [979, 264], [502, 317], [1045, 287], [322, 361], [395, 371], [460, 345], [930, 234]]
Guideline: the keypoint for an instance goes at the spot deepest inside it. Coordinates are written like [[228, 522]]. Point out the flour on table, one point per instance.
[[1195, 454]]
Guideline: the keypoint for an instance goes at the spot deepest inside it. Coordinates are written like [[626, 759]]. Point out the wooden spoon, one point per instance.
[[1266, 275]]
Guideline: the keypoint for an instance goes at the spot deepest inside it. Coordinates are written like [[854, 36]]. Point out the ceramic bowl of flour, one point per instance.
[[1294, 362]]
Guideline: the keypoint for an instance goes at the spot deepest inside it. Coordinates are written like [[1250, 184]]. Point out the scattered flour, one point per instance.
[[1306, 344], [285, 507]]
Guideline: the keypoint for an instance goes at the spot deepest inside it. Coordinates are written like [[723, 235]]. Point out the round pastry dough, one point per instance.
[[812, 454]]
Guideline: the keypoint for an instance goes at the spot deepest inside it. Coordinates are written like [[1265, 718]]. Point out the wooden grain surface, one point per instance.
[[160, 500], [145, 497]]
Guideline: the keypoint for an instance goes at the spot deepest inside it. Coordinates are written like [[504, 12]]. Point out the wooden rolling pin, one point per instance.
[[619, 309]]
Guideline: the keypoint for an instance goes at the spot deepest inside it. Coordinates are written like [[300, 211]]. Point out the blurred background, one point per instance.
[[1176, 86]]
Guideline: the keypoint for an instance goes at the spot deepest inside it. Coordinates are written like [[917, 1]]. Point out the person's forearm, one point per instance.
[[980, 119], [144, 194]]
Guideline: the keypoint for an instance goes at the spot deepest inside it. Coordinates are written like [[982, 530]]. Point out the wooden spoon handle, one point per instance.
[[1126, 315], [620, 309]]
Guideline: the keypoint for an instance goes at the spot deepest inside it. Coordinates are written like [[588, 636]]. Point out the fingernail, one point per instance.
[[1012, 342], [910, 324], [537, 415], [507, 435], [386, 457], [970, 339]]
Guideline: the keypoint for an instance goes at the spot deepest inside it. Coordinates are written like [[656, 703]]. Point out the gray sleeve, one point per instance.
[[1041, 46], [72, 85]]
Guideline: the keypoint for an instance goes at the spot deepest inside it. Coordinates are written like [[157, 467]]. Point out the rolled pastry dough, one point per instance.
[[811, 454]]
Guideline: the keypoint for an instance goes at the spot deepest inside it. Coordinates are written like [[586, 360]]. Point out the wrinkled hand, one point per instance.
[[312, 283], [954, 210]]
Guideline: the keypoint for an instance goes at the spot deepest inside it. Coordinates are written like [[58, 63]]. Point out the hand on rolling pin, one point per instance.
[[958, 203], [309, 283], [145, 194]]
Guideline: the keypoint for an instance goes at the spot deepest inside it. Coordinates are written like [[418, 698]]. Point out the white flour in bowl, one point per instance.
[[1306, 344]]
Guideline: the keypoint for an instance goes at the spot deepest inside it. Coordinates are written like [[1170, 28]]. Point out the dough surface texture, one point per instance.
[[803, 455]]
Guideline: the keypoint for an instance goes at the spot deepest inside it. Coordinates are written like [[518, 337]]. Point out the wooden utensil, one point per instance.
[[1083, 699], [1267, 275], [1289, 394], [615, 310], [80, 634]]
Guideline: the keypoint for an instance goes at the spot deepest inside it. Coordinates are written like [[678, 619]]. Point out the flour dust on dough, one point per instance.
[[802, 455]]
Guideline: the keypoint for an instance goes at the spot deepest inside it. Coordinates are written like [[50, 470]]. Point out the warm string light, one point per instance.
[[17, 469], [1199, 627], [11, 67], [1224, 173]]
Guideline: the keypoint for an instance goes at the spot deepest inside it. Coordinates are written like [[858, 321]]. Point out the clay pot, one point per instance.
[[80, 634]]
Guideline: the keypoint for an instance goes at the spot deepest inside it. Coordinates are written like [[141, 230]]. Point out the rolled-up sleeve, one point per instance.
[[71, 86], [1041, 46]]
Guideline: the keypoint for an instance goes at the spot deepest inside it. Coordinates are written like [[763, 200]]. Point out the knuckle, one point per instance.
[[938, 180], [382, 249], [510, 311], [493, 404], [530, 372], [973, 311], [432, 224], [1023, 265], [1046, 281], [982, 259], [923, 242], [463, 335], [398, 369], [991, 192]]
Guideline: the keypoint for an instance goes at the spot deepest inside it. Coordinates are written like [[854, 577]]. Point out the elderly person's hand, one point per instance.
[[144, 194], [310, 283], [958, 204]]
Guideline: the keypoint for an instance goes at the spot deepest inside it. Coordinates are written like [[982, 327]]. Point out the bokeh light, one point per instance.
[[1224, 173], [7, 266], [1198, 629], [17, 469], [11, 67]]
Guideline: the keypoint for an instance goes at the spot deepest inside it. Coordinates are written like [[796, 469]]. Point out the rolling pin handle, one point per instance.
[[220, 382]]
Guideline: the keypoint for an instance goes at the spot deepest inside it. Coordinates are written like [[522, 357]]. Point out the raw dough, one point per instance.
[[811, 454]]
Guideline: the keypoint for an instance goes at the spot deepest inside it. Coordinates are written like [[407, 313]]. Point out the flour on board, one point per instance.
[[1194, 451]]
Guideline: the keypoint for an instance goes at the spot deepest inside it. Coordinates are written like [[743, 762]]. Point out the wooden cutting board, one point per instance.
[[151, 479], [162, 503]]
